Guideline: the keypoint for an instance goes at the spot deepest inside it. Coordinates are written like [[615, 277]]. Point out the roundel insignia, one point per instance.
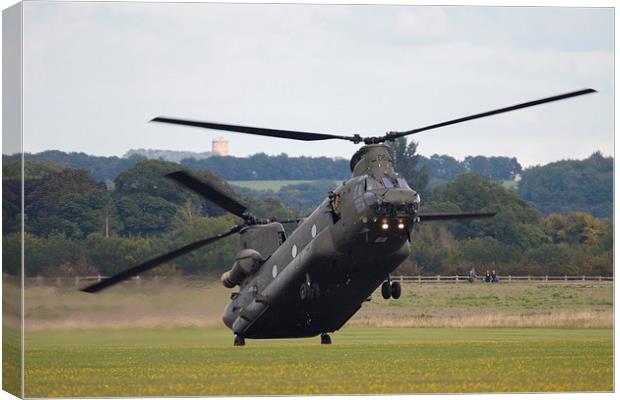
[[274, 271], [313, 231]]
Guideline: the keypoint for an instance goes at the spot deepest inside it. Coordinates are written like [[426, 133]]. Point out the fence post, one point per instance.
[[529, 277], [402, 279], [600, 278], [546, 278], [77, 281], [419, 278], [457, 279], [565, 278], [438, 278], [583, 278], [58, 281], [137, 280]]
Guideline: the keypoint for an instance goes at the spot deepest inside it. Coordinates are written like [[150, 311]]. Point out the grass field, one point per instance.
[[168, 339], [194, 361], [274, 185], [200, 301]]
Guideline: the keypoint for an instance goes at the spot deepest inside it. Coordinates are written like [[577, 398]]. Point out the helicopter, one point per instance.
[[313, 281]]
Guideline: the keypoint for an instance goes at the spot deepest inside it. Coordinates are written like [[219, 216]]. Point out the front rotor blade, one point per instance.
[[209, 191], [394, 135], [448, 216], [150, 264], [296, 135]]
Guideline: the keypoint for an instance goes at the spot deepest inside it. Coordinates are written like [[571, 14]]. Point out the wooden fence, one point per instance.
[[502, 278], [79, 281]]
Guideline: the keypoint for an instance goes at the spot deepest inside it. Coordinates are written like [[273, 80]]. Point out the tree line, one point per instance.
[[571, 185], [264, 167], [77, 225]]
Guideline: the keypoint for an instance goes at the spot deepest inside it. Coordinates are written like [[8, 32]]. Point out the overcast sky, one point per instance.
[[95, 73]]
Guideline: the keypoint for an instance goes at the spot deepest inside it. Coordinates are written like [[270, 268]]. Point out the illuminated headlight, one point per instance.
[[401, 225], [384, 226], [364, 219]]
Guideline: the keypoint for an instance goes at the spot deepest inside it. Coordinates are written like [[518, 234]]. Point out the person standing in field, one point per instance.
[[472, 275], [487, 277]]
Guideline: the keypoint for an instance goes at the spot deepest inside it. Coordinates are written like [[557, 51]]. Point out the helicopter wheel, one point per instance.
[[386, 290], [239, 341], [396, 290], [325, 339], [305, 292]]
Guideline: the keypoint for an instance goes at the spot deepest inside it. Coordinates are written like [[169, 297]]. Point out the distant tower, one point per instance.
[[219, 146]]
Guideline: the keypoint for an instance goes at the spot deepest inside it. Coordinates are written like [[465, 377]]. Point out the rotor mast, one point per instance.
[[372, 159]]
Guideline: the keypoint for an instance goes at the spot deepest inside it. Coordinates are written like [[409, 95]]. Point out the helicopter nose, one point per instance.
[[398, 202]]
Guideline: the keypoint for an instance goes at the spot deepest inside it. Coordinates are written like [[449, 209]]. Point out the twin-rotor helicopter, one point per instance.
[[313, 281]]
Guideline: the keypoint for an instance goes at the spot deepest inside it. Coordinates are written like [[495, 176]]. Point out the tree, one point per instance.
[[443, 167], [42, 200], [406, 162], [141, 214], [571, 185], [516, 223], [503, 168], [574, 228]]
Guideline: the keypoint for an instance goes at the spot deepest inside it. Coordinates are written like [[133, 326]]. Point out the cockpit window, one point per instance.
[[388, 183], [372, 184]]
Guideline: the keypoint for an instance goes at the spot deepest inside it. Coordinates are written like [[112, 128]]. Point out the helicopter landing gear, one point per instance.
[[386, 290], [239, 341], [395, 286], [325, 339], [390, 289]]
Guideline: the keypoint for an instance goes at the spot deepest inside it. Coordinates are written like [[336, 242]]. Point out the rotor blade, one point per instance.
[[307, 136], [447, 216], [209, 191], [394, 135], [152, 263]]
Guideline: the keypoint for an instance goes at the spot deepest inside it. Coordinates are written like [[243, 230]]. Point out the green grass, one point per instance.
[[11, 361], [200, 301], [544, 296], [514, 304], [510, 184], [274, 185], [193, 361]]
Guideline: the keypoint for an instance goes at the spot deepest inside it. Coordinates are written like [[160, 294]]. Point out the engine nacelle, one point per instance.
[[246, 263]]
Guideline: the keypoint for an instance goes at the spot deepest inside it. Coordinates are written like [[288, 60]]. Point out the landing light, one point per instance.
[[401, 225], [384, 226]]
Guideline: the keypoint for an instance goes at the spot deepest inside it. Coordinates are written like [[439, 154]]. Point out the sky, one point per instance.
[[96, 73]]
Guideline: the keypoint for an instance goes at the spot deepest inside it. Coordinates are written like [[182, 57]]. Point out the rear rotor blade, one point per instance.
[[209, 191], [394, 135], [152, 263], [296, 135], [448, 216]]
